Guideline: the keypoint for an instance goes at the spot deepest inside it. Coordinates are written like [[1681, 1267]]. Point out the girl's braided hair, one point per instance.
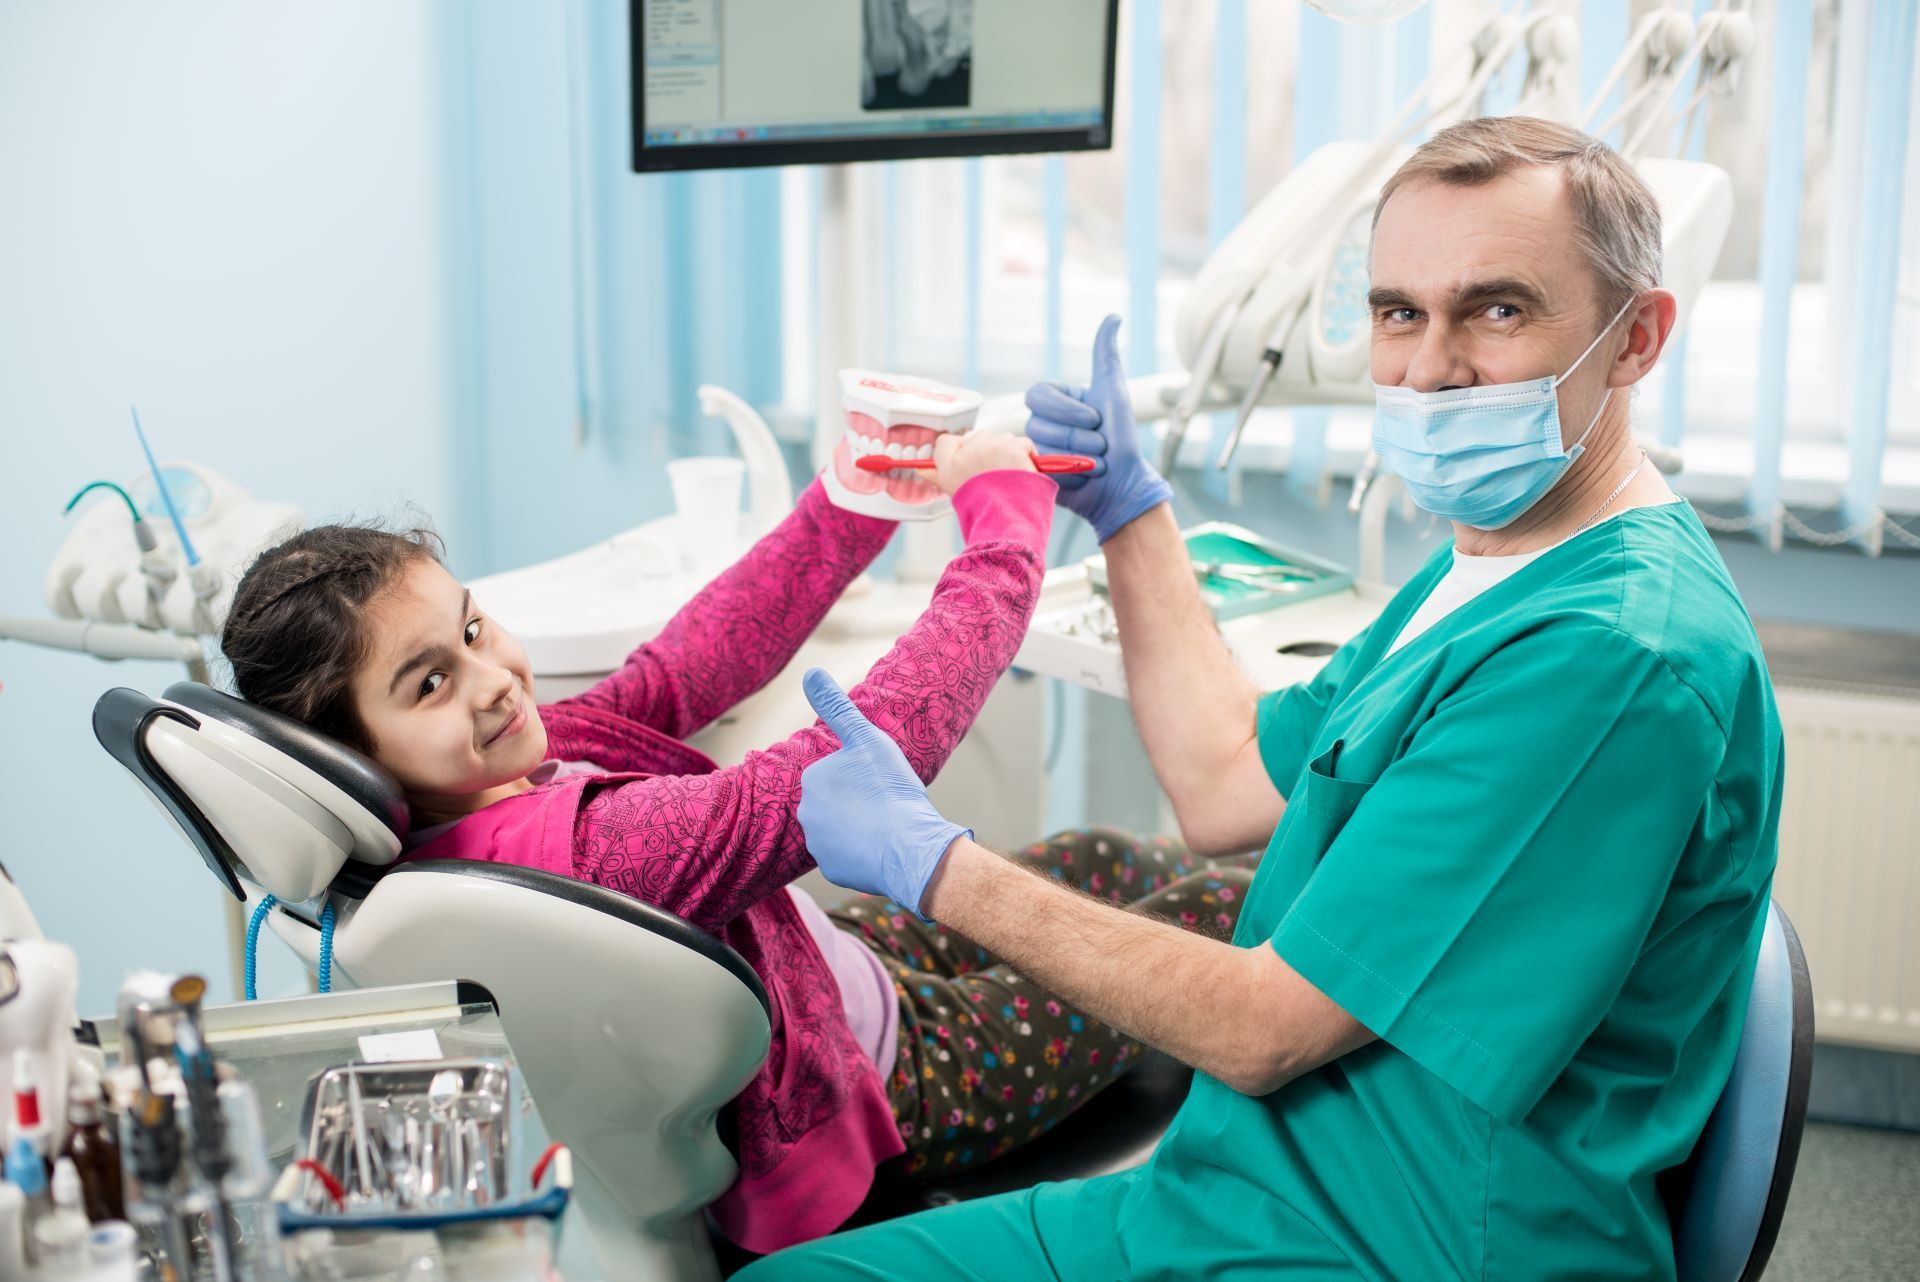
[[297, 629]]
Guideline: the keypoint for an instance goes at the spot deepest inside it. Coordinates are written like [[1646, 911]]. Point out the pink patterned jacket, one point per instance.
[[717, 845]]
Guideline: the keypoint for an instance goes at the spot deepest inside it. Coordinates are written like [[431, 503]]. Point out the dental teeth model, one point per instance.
[[901, 418]]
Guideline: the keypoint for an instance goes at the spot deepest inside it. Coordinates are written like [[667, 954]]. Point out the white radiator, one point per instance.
[[1849, 872]]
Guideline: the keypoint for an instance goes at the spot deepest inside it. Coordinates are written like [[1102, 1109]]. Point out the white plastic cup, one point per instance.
[[706, 505]]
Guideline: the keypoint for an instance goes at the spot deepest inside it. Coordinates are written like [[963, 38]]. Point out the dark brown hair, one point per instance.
[[297, 629]]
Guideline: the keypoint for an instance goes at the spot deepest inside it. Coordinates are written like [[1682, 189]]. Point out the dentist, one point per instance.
[[1491, 975]]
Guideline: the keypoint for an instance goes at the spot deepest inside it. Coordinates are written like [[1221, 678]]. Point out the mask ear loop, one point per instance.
[[1574, 451]]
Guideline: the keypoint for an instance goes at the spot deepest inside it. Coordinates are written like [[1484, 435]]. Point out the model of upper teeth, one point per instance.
[[898, 417]]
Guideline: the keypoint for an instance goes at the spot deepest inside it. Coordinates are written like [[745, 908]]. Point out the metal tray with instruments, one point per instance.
[[1241, 572], [425, 1143]]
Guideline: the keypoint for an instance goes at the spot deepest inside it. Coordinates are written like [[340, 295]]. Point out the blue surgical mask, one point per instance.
[[1480, 455]]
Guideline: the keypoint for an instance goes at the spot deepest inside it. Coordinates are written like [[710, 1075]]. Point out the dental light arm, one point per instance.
[[1720, 44], [1657, 46]]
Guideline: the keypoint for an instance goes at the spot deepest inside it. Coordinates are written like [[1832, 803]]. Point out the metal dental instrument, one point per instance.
[[443, 1098], [358, 1124], [1269, 366], [212, 1153], [166, 495], [155, 1149], [1255, 581], [1196, 389], [1275, 577]]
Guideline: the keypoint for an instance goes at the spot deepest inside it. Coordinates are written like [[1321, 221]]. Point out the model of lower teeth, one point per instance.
[[900, 417]]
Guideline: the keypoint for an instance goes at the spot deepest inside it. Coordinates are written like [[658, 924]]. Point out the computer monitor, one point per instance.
[[728, 83]]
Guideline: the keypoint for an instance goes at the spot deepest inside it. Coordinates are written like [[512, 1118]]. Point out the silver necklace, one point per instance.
[[1618, 490]]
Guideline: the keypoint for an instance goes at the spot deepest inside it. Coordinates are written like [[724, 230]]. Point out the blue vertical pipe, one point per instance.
[[1412, 53], [757, 291], [1317, 95], [466, 523], [1779, 250], [890, 265], [815, 212], [1605, 28], [586, 252], [1055, 213], [970, 376], [1226, 168], [1883, 158], [1227, 159], [678, 225], [1143, 192], [1673, 386]]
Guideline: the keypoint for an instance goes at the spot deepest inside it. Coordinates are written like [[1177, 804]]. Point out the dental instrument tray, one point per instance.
[[415, 1145], [1242, 573]]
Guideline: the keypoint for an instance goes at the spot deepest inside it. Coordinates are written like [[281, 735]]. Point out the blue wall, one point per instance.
[[355, 255], [601, 299], [233, 215]]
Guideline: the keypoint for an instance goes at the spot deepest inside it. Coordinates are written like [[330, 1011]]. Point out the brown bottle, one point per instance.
[[94, 1154]]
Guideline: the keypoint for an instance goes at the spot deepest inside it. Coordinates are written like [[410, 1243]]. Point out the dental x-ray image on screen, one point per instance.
[[916, 53]]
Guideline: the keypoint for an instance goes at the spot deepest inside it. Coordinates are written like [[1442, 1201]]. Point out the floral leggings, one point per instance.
[[986, 1060]]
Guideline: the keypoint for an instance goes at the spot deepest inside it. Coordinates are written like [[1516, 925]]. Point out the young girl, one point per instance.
[[365, 636]]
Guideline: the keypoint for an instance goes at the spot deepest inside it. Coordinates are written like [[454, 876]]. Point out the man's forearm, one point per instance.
[[1199, 1000], [1194, 706]]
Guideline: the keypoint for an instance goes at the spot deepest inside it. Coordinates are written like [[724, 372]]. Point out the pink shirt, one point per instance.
[[719, 846], [866, 990]]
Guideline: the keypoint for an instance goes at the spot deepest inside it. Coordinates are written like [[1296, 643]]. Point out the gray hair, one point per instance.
[[1617, 217]]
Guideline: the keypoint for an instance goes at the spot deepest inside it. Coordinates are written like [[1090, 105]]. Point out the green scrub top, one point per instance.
[[1531, 851]]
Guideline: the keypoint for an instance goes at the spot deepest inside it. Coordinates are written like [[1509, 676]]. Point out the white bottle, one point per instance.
[[60, 1237], [13, 1233], [110, 1252]]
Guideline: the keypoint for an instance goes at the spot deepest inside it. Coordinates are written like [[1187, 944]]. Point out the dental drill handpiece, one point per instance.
[[208, 1143], [1269, 366], [154, 1145]]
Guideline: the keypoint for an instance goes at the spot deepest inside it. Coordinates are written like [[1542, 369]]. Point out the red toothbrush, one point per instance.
[[1048, 463]]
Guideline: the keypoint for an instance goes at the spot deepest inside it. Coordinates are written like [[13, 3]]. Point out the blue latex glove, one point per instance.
[[866, 814], [1098, 421]]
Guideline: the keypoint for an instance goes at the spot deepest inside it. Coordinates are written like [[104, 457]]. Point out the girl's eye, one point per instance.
[[433, 682], [473, 631]]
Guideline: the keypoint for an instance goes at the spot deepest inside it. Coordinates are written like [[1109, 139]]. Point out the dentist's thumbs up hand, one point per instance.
[[868, 821], [1098, 420]]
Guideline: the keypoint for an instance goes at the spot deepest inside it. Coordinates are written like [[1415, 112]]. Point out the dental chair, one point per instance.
[[631, 1027], [1727, 1201], [629, 1072]]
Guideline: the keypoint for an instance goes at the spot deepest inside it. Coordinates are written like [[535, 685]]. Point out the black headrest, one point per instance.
[[121, 719], [363, 779]]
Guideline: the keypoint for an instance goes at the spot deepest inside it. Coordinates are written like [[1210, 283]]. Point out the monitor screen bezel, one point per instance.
[[837, 151]]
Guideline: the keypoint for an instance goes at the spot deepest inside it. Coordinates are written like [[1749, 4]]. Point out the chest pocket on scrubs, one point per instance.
[[1319, 808], [1330, 799]]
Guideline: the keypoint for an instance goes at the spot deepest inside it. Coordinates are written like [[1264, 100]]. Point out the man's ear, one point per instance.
[[1649, 325]]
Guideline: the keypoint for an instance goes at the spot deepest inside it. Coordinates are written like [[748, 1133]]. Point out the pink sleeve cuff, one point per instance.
[[1016, 506]]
